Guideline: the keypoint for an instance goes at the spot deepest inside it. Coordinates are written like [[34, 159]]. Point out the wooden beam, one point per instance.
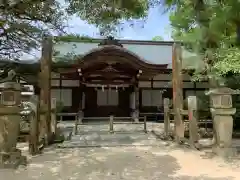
[[177, 91]]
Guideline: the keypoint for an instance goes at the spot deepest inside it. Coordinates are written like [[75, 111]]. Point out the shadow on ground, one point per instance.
[[101, 163], [115, 159]]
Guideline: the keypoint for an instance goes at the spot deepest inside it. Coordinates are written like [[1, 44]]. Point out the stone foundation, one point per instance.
[[135, 115]]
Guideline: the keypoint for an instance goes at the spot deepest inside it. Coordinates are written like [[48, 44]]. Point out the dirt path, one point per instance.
[[136, 161]]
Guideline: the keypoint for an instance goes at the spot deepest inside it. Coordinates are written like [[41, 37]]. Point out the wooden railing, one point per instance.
[[111, 122], [150, 115], [192, 119], [61, 115]]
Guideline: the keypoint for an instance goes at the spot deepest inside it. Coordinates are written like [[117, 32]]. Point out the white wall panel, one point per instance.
[[146, 97], [151, 97], [70, 83], [162, 84], [55, 82], [144, 84], [63, 95]]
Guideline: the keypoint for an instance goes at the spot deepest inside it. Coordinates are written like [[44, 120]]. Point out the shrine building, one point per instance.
[[123, 78]]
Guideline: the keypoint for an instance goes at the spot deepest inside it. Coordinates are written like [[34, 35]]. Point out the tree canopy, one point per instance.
[[209, 28], [23, 24], [108, 14]]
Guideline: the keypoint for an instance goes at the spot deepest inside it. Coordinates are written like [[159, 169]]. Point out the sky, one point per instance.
[[156, 24]]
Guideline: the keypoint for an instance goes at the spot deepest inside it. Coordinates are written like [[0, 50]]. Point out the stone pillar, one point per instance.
[[34, 125], [10, 156], [222, 111], [53, 116], [166, 104], [193, 122], [135, 105]]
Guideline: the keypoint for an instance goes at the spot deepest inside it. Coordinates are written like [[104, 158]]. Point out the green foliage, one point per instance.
[[23, 23], [210, 28], [73, 38], [233, 81], [157, 38], [228, 60], [108, 14]]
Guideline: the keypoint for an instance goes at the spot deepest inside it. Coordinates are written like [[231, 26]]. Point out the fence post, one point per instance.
[[33, 138], [34, 129], [145, 124], [166, 103], [76, 125], [53, 116], [78, 120], [111, 124], [192, 116]]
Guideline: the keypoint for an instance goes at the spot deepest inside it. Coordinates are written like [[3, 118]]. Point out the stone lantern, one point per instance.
[[11, 94], [222, 111], [10, 157]]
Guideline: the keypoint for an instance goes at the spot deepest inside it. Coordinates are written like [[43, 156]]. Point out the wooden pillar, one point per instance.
[[136, 104], [177, 91], [80, 107], [79, 119], [45, 85]]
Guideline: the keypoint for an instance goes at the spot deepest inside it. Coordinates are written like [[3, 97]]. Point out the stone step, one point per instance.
[[99, 140]]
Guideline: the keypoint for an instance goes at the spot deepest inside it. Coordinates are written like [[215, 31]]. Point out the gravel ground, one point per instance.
[[133, 155]]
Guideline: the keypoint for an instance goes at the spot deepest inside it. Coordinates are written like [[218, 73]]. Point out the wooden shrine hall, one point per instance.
[[116, 77]]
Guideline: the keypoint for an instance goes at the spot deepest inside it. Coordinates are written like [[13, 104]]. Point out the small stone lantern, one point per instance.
[[11, 94], [222, 111], [10, 157]]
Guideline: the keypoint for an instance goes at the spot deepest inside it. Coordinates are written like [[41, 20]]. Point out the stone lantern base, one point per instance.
[[225, 152], [223, 124], [11, 160], [135, 115], [222, 111]]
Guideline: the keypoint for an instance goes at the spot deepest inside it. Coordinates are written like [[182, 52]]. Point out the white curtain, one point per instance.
[[146, 98], [108, 97], [112, 97], [101, 98]]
